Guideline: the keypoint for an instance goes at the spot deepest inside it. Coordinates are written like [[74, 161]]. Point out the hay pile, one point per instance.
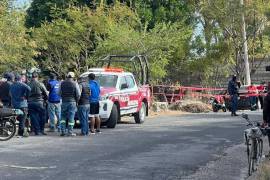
[[190, 106], [159, 107]]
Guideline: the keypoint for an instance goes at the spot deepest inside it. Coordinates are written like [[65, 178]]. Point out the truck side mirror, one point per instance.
[[124, 86]]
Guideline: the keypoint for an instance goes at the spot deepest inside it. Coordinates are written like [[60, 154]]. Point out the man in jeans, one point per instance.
[[37, 110], [19, 93], [70, 94], [84, 106], [54, 105], [94, 103]]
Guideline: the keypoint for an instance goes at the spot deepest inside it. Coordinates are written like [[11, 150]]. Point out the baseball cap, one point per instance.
[[70, 75]]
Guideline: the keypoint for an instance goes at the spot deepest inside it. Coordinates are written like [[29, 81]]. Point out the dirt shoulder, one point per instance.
[[167, 113]]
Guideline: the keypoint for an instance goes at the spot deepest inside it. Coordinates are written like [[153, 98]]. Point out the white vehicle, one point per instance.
[[120, 95]]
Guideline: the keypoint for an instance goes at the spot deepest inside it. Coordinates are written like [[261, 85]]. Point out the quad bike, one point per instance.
[[217, 105]]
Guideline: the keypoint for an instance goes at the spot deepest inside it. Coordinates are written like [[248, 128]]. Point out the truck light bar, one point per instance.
[[106, 70], [114, 70]]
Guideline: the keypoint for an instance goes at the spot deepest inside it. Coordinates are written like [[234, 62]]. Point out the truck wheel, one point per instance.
[[140, 116], [111, 123]]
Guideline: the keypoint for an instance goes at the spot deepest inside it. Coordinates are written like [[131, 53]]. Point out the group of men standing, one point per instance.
[[61, 99]]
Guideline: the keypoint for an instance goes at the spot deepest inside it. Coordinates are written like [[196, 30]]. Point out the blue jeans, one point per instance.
[[54, 111], [21, 119], [234, 101], [68, 110], [37, 113], [83, 115], [253, 101]]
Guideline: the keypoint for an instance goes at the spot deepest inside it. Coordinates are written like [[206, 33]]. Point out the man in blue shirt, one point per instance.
[[54, 105], [19, 93], [94, 103]]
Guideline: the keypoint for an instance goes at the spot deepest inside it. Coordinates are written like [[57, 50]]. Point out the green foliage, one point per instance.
[[161, 44], [85, 35], [160, 11], [41, 11], [16, 48], [222, 35]]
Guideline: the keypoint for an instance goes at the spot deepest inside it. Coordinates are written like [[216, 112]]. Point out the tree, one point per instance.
[[16, 48], [71, 41], [221, 21], [41, 11]]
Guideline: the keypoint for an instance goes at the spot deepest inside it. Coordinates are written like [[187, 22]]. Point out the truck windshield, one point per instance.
[[106, 80]]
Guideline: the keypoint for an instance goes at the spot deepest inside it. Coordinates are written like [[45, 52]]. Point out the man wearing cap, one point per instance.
[[19, 93], [37, 110], [233, 92], [4, 89], [54, 105], [70, 94]]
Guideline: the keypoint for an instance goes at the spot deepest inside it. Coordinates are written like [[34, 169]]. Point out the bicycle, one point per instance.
[[254, 142], [8, 123]]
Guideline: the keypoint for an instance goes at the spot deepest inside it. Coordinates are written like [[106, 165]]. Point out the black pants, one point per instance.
[[261, 101]]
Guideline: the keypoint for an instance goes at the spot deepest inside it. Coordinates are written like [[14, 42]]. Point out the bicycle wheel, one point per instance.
[[252, 156], [7, 129], [260, 149]]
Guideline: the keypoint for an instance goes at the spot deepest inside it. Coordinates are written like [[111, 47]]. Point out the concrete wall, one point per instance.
[[261, 74]]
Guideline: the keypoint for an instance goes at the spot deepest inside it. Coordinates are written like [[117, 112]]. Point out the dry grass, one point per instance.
[[190, 106], [264, 171]]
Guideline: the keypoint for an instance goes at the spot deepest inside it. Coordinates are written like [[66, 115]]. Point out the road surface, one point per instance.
[[190, 146]]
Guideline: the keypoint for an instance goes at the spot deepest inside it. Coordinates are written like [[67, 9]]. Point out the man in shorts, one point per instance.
[[94, 104]]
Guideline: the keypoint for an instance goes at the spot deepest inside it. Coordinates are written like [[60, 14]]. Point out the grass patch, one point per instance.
[[264, 171]]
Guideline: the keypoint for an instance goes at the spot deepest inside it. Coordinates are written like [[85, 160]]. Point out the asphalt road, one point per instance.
[[174, 147]]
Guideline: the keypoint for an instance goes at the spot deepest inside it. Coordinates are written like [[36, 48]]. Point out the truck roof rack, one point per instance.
[[143, 74]]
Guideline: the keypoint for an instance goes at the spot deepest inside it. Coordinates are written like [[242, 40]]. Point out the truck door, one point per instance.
[[133, 94], [123, 97], [128, 95]]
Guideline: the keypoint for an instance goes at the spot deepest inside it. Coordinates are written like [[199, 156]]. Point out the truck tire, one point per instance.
[[112, 121], [140, 116]]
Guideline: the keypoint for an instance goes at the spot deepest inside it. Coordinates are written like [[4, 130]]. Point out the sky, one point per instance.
[[22, 2]]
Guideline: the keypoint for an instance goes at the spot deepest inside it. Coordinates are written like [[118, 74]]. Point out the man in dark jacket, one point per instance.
[[4, 89], [233, 92], [19, 93], [54, 105], [266, 112], [36, 106], [70, 94], [84, 106]]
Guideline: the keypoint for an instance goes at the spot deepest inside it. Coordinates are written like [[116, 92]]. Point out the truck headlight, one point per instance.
[[104, 98]]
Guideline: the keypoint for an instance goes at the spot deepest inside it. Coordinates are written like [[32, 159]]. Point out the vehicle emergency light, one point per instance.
[[114, 70], [106, 70]]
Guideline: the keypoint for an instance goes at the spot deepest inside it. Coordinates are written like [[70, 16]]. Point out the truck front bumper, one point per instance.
[[105, 109]]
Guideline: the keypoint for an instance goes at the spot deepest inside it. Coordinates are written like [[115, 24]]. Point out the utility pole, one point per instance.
[[245, 46]]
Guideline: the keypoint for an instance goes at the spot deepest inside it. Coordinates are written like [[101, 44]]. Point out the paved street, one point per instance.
[[174, 147]]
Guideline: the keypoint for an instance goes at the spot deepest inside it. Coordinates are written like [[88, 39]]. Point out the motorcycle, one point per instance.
[[217, 105], [8, 118]]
